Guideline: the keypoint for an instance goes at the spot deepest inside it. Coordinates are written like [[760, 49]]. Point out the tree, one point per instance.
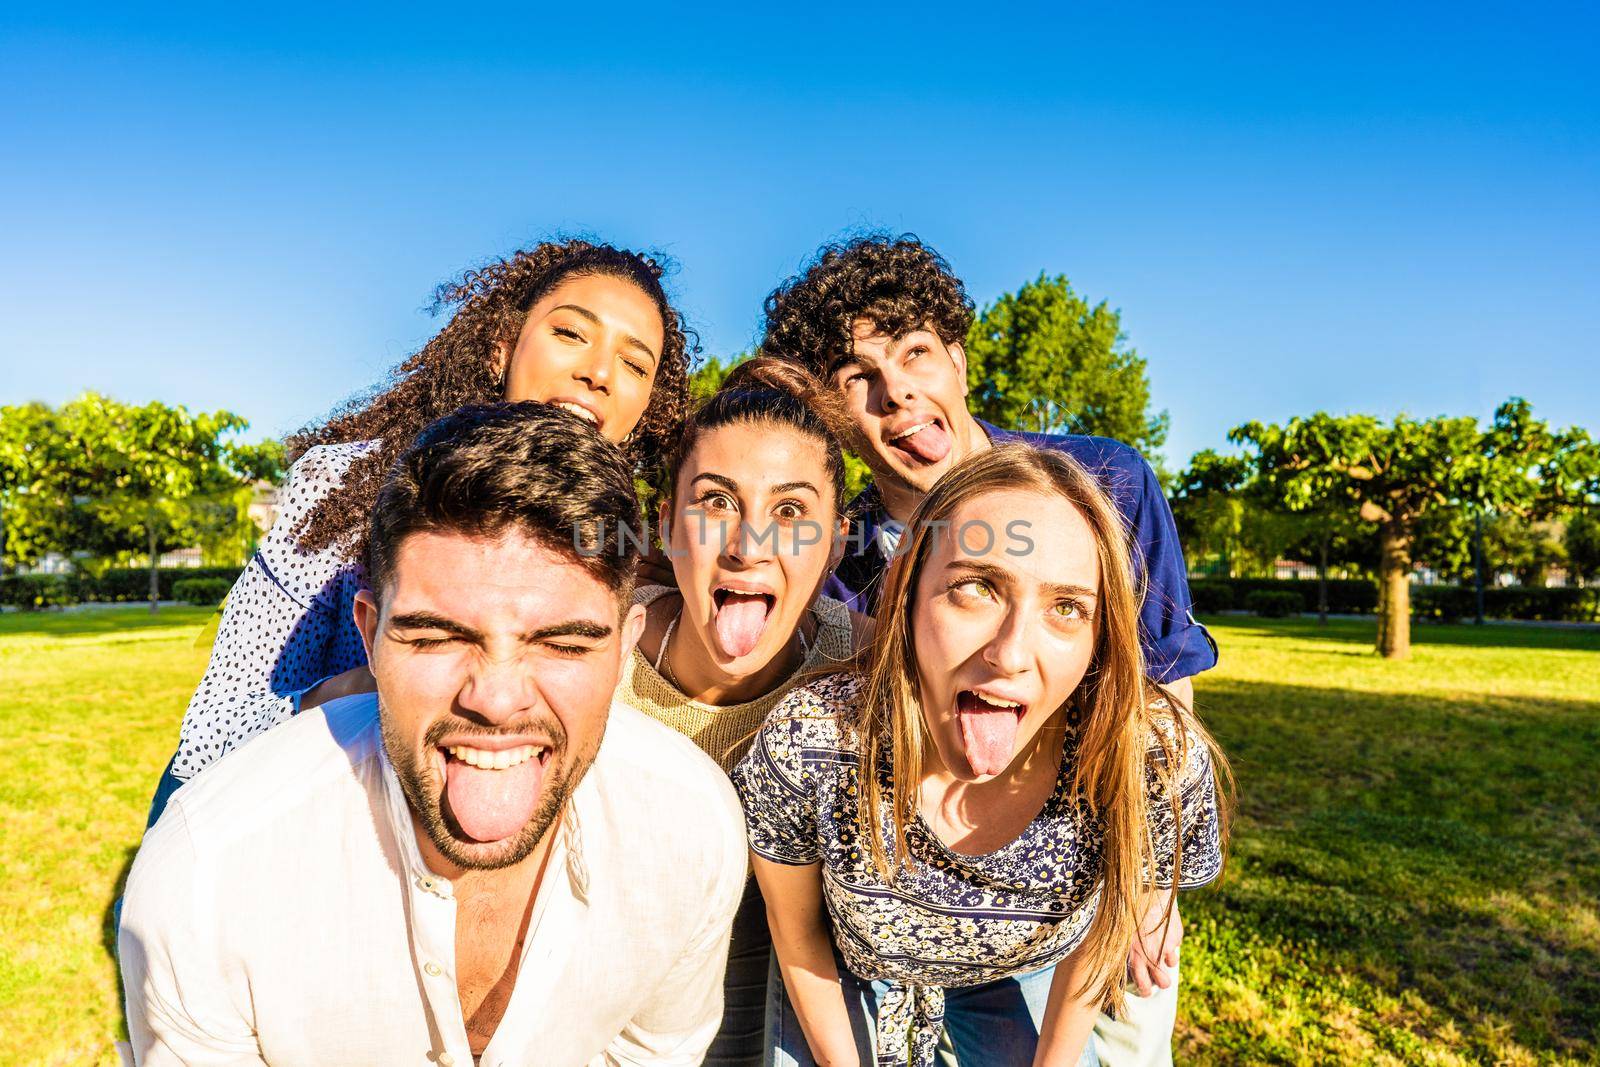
[[1223, 510], [34, 517], [1043, 359], [119, 480], [1582, 542], [708, 377], [1399, 475]]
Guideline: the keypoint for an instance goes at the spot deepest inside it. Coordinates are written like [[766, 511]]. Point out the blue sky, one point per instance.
[[1349, 208]]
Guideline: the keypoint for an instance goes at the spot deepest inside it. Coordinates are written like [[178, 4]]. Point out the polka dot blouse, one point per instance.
[[287, 626]]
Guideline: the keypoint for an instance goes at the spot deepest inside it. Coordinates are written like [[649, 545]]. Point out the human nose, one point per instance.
[[497, 690], [895, 389], [596, 370], [1010, 649], [751, 544]]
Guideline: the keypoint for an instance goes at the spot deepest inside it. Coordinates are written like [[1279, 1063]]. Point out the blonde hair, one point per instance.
[[1115, 720]]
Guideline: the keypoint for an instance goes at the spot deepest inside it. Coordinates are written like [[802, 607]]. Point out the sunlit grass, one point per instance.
[[92, 703], [1416, 866], [1414, 876]]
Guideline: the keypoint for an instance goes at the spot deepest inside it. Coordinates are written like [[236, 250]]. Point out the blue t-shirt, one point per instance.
[[1175, 645]]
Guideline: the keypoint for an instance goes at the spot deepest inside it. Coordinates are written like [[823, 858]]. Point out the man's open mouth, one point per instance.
[[492, 791], [924, 441]]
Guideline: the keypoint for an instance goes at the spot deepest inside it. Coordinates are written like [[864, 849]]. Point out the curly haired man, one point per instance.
[[884, 319]]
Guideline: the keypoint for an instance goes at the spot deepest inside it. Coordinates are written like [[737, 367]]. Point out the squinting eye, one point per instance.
[[562, 331], [975, 587], [637, 368], [424, 644]]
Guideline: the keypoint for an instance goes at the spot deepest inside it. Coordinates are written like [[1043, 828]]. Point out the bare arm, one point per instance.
[[1068, 1019], [353, 681], [805, 956]]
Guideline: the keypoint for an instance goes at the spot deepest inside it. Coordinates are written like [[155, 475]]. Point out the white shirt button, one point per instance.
[[445, 1059], [434, 971]]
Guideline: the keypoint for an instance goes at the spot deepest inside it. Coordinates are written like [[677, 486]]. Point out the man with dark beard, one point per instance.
[[484, 862]]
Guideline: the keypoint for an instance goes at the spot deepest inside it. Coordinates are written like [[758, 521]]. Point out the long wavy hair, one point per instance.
[[1112, 705], [458, 367]]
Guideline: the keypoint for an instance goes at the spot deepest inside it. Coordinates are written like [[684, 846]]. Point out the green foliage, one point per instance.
[[1224, 515], [1042, 359], [201, 592], [104, 585], [1209, 596], [1582, 543], [711, 373], [1451, 603], [1444, 603], [121, 481], [1411, 472], [32, 592], [1274, 603]]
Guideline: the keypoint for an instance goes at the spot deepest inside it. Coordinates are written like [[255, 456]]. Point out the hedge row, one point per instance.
[[1346, 596], [33, 591], [1446, 603]]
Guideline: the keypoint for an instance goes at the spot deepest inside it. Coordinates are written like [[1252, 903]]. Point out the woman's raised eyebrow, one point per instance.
[[789, 487]]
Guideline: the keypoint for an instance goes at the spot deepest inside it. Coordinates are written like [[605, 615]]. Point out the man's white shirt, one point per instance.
[[280, 911]]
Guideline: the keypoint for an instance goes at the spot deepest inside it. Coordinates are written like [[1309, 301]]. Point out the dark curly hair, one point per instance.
[[487, 468], [898, 283], [455, 368]]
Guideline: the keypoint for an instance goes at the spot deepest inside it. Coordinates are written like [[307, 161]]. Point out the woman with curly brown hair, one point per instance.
[[586, 327]]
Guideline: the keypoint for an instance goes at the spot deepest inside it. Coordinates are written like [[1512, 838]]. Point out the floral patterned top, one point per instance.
[[951, 919]]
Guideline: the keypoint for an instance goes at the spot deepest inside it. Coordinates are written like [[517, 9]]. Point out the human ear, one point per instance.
[[836, 550], [365, 610], [958, 356], [632, 629]]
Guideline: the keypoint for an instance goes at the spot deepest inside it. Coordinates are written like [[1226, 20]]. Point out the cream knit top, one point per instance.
[[725, 733]]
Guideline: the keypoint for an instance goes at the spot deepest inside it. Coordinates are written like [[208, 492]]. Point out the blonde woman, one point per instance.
[[962, 837], [753, 527]]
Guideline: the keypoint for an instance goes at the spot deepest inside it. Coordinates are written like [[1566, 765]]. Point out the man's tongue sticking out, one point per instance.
[[492, 805], [929, 444], [989, 734], [739, 620]]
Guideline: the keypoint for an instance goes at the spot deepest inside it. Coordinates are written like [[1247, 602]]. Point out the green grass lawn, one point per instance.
[[1415, 875]]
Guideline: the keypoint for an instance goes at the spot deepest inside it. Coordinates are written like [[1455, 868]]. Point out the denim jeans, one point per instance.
[[744, 991], [994, 1024]]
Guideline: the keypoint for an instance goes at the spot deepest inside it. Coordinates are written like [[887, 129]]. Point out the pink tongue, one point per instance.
[[492, 805], [930, 445], [991, 738], [739, 623]]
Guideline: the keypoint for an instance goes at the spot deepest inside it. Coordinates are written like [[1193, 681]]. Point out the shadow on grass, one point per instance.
[[1451, 848], [1365, 632]]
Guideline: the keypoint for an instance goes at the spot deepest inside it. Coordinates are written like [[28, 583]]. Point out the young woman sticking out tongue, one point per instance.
[[985, 810], [753, 527]]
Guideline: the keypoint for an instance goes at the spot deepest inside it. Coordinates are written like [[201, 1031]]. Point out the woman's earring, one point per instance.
[[627, 439]]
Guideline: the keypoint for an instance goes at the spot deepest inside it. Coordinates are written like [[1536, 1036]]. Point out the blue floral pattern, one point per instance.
[[951, 919]]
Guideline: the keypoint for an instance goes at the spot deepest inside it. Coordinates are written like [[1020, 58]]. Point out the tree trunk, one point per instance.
[[1394, 591], [155, 584], [1322, 582]]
